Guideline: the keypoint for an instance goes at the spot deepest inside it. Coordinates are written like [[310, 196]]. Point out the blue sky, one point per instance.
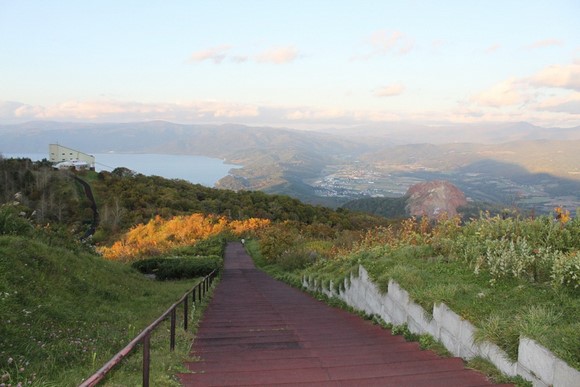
[[303, 64]]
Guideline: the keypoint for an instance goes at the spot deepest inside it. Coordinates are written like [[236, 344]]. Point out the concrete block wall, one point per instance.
[[535, 363]]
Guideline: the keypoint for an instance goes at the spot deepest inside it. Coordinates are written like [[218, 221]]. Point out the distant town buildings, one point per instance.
[[64, 158]]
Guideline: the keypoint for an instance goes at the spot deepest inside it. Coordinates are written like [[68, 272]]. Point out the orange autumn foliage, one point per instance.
[[161, 235]]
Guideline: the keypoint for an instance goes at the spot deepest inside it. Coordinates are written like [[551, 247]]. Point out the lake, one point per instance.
[[196, 169]]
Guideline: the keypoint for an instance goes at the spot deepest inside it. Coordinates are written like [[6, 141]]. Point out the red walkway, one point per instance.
[[259, 331]]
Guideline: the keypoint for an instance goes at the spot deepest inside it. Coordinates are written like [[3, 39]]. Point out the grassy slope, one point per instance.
[[64, 314], [501, 312]]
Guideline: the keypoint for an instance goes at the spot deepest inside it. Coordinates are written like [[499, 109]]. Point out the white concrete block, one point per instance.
[[565, 376], [417, 319], [529, 376], [498, 357], [397, 293], [537, 359], [398, 314], [448, 319], [363, 275], [449, 341], [467, 348], [386, 313]]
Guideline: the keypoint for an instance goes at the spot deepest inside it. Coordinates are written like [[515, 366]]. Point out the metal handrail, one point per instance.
[[144, 337]]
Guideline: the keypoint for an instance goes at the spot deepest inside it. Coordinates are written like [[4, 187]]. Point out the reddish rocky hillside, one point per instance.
[[434, 198]]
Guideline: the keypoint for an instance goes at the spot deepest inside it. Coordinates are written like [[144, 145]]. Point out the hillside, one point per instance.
[[530, 167], [66, 310], [163, 137], [432, 199], [125, 199], [401, 133], [558, 158]]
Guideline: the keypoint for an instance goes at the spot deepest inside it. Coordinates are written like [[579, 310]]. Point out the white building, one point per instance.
[[68, 157]]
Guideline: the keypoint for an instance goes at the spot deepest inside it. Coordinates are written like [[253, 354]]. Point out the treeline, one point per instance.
[[395, 208], [125, 199], [385, 207], [42, 194]]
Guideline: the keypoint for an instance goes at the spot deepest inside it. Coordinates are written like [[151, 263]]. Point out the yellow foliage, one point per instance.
[[160, 235], [562, 215]]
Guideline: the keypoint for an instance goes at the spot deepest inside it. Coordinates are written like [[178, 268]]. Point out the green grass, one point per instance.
[[64, 314], [502, 310], [164, 363]]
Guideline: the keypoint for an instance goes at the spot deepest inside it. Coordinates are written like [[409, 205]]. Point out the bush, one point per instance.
[[214, 245], [517, 258], [179, 268], [11, 223], [297, 258], [566, 271], [542, 250]]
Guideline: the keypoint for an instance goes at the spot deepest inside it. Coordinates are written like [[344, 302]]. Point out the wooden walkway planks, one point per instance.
[[259, 331]]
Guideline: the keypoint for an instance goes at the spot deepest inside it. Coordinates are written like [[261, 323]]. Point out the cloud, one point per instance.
[[504, 93], [16, 111], [214, 54], [560, 76], [549, 97], [569, 103], [278, 55], [390, 90], [219, 54], [102, 111], [383, 42], [239, 58], [493, 48], [544, 43]]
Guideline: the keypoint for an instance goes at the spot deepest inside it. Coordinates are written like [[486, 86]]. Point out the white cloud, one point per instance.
[[506, 93], [493, 48], [560, 76], [15, 111], [544, 43], [569, 103], [214, 54], [550, 98], [101, 111], [390, 90], [278, 55], [383, 42]]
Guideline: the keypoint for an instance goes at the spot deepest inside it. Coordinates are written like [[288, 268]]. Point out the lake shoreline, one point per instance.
[[193, 168]]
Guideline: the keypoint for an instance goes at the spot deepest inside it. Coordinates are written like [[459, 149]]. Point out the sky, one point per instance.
[[302, 64]]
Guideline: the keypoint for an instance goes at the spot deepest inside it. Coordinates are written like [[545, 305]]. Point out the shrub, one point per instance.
[[296, 258], [179, 268], [11, 223], [276, 240], [213, 245], [516, 258], [566, 271]]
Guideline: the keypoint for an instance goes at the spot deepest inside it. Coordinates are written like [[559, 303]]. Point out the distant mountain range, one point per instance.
[[488, 133], [290, 161], [165, 138]]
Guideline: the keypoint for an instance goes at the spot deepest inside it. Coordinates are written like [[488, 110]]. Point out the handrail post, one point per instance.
[[146, 360], [185, 311], [172, 336]]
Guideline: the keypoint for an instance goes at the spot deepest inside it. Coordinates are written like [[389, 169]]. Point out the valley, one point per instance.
[[513, 166], [540, 193]]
